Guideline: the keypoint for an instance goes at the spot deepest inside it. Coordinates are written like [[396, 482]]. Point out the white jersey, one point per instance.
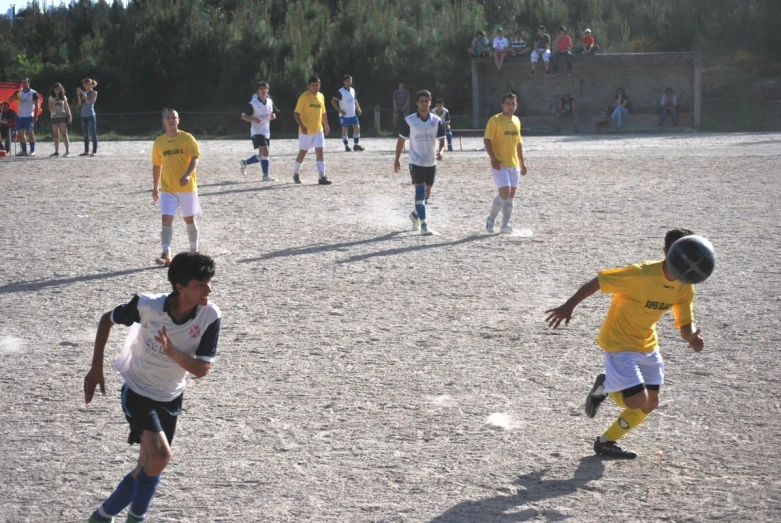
[[261, 110], [445, 116], [346, 99], [26, 103], [422, 135], [143, 364]]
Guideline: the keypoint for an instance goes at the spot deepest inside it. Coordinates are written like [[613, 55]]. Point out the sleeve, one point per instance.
[[248, 110], [440, 129], [207, 348], [404, 128], [300, 105], [683, 309], [35, 97], [338, 95], [618, 281], [192, 147], [447, 117], [127, 314], [157, 158], [489, 129]]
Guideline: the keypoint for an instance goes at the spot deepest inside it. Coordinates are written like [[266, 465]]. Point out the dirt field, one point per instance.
[[367, 374]]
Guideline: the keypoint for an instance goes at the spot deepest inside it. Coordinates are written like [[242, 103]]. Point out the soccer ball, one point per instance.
[[691, 259]]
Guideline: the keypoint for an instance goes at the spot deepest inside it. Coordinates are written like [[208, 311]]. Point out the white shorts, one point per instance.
[[307, 141], [186, 201], [540, 52], [624, 370], [506, 176]]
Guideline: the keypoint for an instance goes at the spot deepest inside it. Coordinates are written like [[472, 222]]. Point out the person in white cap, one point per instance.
[[588, 44]]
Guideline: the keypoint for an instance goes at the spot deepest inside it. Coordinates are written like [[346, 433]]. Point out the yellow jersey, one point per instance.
[[505, 135], [311, 108], [641, 296], [174, 155]]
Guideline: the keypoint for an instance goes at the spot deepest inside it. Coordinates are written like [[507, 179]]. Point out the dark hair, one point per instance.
[[24, 79], [622, 91], [313, 79], [347, 77], [541, 27], [262, 83], [668, 89], [400, 82], [440, 101], [562, 28], [507, 96], [61, 96], [420, 94], [479, 33], [188, 266], [674, 235]]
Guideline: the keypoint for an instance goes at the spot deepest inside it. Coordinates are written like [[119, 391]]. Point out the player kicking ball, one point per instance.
[[171, 335], [259, 112], [423, 129], [634, 370], [502, 140]]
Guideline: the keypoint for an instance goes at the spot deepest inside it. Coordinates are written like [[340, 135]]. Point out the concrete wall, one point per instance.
[[593, 84]]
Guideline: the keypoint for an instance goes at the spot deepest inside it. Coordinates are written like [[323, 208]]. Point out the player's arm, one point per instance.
[[197, 368], [335, 105], [520, 159], [324, 120], [157, 171], [489, 148], [399, 148], [247, 114], [95, 375], [301, 126], [691, 335], [357, 108], [564, 312], [190, 169]]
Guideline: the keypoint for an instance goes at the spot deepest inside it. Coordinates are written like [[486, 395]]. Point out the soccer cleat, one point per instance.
[[357, 148], [66, 155], [506, 230], [324, 180], [532, 73], [93, 519], [415, 221], [347, 148], [296, 179], [268, 178], [243, 167], [54, 154], [611, 449], [133, 519], [164, 259], [489, 225], [595, 396], [31, 154], [424, 230]]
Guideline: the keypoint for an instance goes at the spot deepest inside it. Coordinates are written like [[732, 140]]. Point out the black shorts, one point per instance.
[[421, 175], [258, 141], [143, 414]]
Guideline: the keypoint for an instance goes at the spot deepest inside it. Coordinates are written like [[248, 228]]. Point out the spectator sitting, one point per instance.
[[563, 47], [588, 44], [501, 48], [518, 45], [480, 45], [7, 120], [567, 108], [620, 109], [541, 49], [668, 105]]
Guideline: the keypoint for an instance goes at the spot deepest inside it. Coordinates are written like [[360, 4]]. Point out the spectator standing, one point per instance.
[[7, 121], [541, 50], [501, 48], [620, 109], [480, 45], [668, 105], [87, 97], [61, 117], [563, 48], [588, 44], [401, 98]]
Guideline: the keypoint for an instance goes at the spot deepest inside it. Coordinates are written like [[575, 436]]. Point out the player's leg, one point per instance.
[[21, 126], [255, 158], [356, 135], [263, 155], [418, 178], [305, 142], [191, 207], [502, 180], [319, 143], [31, 138], [343, 121], [509, 200], [169, 204]]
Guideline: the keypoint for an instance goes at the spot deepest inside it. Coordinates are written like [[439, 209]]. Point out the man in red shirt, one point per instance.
[[563, 47], [588, 44]]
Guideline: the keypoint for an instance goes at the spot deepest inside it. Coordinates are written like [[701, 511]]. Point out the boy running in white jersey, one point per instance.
[[423, 129], [503, 144], [444, 115], [170, 336], [259, 112], [346, 103], [27, 116], [175, 155]]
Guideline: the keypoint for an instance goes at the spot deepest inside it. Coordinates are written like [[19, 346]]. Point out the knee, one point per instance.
[[636, 401], [158, 460]]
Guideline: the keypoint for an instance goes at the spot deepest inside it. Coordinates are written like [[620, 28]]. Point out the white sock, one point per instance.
[[495, 207], [321, 168], [297, 168], [192, 234], [166, 235], [507, 212]]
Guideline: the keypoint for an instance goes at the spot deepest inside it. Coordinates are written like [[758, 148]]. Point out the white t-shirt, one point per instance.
[[143, 364], [346, 99], [256, 108], [500, 43], [673, 98], [26, 103], [422, 136]]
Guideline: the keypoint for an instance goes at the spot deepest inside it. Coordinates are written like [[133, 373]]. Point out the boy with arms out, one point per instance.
[[423, 129], [312, 120], [259, 112], [170, 336], [346, 103], [502, 140], [175, 155], [634, 370]]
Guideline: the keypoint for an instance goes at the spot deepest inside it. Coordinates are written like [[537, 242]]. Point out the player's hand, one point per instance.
[[440, 155], [523, 170], [358, 112], [258, 121], [156, 194], [327, 129], [342, 113], [557, 315], [93, 378], [696, 342], [397, 166], [184, 180], [165, 341], [495, 164], [273, 116], [303, 130]]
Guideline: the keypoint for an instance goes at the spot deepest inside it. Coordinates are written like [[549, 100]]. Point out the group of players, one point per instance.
[[175, 334]]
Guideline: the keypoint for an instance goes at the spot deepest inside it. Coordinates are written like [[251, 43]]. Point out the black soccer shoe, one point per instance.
[[357, 148], [347, 149], [611, 449], [596, 396], [324, 181], [296, 179]]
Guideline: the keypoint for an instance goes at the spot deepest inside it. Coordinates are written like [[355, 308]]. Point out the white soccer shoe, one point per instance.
[[415, 221], [489, 225], [267, 178], [243, 164], [506, 230]]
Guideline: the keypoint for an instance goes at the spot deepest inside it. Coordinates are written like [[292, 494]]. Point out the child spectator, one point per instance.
[[7, 121], [620, 109], [480, 45], [501, 48], [668, 105], [563, 47], [518, 45], [588, 44], [541, 49]]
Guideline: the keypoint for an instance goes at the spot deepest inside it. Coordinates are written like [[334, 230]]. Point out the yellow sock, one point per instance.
[[627, 420], [618, 397]]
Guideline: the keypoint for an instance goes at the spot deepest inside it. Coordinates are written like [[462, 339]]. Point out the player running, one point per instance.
[[346, 103], [170, 336], [444, 115], [175, 155], [503, 144], [312, 121], [259, 112], [422, 129], [634, 370]]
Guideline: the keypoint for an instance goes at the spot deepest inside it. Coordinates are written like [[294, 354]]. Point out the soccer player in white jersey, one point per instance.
[[259, 112], [27, 116], [346, 103], [444, 115], [170, 336], [422, 129]]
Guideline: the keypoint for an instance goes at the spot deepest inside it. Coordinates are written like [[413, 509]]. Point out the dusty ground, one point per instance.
[[359, 364]]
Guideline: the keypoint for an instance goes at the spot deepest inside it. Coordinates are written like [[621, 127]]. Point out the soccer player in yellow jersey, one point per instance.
[[175, 155], [634, 370], [503, 144], [312, 120]]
